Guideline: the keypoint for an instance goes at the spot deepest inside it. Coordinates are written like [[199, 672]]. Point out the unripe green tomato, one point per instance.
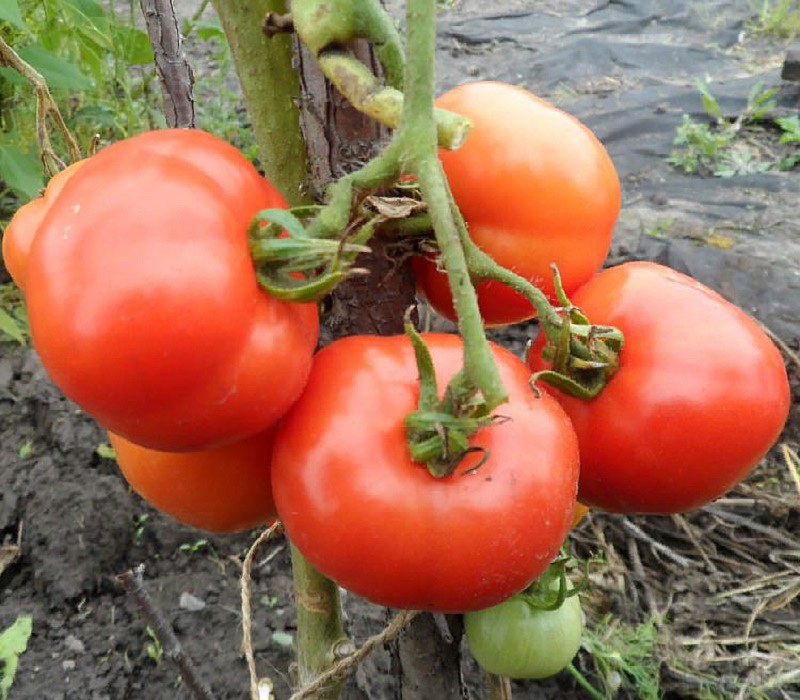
[[516, 640]]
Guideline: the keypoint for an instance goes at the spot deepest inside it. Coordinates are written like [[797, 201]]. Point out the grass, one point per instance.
[[776, 18]]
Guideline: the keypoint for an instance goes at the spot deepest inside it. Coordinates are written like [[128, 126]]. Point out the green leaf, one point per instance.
[[132, 45], [54, 69], [13, 643], [20, 171], [106, 451], [710, 103], [9, 12], [9, 326]]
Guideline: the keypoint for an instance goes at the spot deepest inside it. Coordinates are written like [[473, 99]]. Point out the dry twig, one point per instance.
[[132, 581]]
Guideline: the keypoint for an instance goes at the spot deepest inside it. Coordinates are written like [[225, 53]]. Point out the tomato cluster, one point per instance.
[[145, 308]]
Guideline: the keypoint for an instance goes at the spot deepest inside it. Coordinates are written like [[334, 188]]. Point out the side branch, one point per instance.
[[174, 70], [45, 106]]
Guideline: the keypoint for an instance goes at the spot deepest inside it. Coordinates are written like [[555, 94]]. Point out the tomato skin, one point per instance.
[[515, 640], [367, 516], [19, 233], [224, 489], [700, 396], [144, 304], [535, 187]]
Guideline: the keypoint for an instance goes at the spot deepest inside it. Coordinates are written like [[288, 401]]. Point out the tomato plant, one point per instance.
[[378, 523], [518, 640], [535, 187], [143, 300], [223, 489], [700, 395]]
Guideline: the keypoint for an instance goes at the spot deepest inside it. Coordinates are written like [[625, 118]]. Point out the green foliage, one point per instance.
[[138, 527], [777, 18], [92, 58], [193, 547], [723, 148], [26, 449], [106, 451], [154, 649], [13, 316], [13, 643], [625, 657]]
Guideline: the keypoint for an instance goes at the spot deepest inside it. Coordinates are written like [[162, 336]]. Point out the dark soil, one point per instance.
[[724, 582]]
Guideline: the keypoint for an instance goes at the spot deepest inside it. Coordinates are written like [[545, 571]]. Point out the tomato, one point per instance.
[[20, 231], [143, 300], [700, 395], [517, 640], [535, 187], [224, 489], [376, 522]]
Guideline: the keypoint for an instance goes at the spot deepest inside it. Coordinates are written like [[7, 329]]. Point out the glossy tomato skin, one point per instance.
[[513, 639], [367, 516], [143, 300], [535, 187], [700, 395], [223, 489], [19, 234]]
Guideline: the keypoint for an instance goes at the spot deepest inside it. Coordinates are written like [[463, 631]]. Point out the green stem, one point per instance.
[[418, 137], [583, 683], [271, 91], [383, 104], [320, 633]]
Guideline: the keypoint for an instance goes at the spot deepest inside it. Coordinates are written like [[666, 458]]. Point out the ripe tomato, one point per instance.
[[700, 395], [224, 489], [516, 640], [367, 516], [143, 300], [19, 233], [535, 187]]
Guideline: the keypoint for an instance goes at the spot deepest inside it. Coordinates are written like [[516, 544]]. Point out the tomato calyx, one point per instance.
[[293, 266], [553, 587], [583, 356], [438, 432]]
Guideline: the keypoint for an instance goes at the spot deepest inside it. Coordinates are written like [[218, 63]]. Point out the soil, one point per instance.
[[723, 583]]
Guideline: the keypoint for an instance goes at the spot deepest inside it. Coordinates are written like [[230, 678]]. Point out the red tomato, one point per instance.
[[224, 489], [700, 395], [143, 300], [19, 233], [379, 524], [535, 187]]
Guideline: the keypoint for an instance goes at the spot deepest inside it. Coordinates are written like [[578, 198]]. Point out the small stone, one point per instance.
[[68, 665], [74, 644], [190, 602]]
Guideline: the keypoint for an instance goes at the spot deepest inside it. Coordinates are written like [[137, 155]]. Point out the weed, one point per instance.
[[193, 547], [138, 528], [154, 649], [13, 316], [625, 657], [659, 228], [776, 18], [719, 148], [13, 643], [105, 451], [26, 449]]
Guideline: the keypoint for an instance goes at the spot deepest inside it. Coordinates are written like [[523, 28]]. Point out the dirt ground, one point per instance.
[[723, 584]]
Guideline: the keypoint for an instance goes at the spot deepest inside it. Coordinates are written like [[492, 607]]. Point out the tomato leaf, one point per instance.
[[9, 12], [13, 643], [133, 45], [10, 327], [54, 69], [20, 171]]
